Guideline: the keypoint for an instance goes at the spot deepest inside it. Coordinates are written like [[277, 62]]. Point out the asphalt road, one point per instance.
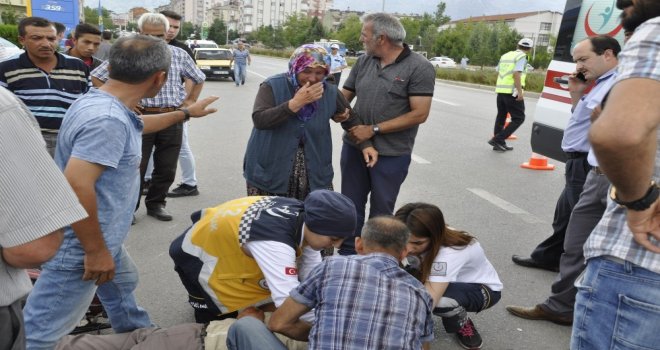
[[483, 192]]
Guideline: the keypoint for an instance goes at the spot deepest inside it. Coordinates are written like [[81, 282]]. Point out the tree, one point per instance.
[[92, 17], [187, 29], [217, 31], [316, 31], [439, 15], [9, 16], [349, 32], [270, 37], [296, 29]]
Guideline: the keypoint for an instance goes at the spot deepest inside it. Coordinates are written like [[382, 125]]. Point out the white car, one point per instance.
[[442, 62], [8, 49]]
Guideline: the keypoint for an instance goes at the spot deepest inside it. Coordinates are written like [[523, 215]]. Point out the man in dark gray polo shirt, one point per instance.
[[394, 88]]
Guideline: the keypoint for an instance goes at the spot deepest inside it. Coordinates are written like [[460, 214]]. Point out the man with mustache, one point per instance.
[[57, 80]]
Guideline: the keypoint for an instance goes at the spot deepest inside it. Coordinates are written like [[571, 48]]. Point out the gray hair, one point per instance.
[[135, 58], [386, 232], [388, 25], [155, 19]]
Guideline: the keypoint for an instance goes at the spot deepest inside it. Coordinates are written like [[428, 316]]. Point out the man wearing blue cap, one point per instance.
[[252, 251]]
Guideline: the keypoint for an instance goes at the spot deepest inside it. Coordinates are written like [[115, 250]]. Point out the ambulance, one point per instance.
[[582, 19]]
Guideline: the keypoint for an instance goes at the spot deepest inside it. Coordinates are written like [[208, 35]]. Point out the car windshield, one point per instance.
[[213, 55]]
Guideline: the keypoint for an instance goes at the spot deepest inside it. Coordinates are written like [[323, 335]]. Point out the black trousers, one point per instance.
[[506, 103], [549, 251], [166, 145]]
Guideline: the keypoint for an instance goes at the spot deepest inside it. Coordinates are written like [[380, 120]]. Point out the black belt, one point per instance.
[[576, 155]]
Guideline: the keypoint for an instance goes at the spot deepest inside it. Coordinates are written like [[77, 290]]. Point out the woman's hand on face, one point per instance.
[[310, 93], [305, 95]]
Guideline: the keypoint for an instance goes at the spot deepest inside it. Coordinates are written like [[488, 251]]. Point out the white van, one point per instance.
[[582, 19], [202, 44]]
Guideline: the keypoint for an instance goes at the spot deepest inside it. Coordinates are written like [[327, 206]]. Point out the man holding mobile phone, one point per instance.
[[582, 202]]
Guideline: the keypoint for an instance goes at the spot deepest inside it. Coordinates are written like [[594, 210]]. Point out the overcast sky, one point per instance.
[[456, 9]]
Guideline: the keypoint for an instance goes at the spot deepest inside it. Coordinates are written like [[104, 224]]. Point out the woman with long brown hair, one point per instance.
[[454, 269]]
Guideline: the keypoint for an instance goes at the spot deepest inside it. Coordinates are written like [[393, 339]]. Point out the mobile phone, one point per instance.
[[560, 80], [564, 80]]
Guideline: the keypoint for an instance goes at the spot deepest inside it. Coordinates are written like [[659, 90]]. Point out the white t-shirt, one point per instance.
[[465, 265], [283, 272]]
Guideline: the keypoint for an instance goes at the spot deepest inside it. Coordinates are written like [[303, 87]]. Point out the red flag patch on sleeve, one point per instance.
[[291, 271]]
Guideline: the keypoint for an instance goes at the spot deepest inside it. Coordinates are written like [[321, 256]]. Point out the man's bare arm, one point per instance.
[[286, 320], [420, 107], [82, 176], [625, 141], [34, 253]]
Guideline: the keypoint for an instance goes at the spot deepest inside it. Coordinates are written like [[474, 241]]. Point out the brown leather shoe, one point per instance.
[[539, 313]]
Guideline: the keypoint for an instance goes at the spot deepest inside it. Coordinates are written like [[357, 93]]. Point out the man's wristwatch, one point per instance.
[[375, 129], [640, 204], [186, 113]]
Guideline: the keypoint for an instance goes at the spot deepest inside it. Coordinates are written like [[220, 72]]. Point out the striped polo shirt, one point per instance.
[[48, 96]]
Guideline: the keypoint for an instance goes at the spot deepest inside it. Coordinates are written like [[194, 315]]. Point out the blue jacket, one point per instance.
[[270, 154]]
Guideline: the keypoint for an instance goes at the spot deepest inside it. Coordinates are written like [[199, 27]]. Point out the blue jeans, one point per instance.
[[461, 298], [240, 71], [617, 307], [380, 184], [60, 299], [249, 333]]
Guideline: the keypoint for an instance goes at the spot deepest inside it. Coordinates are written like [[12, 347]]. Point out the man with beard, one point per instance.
[[617, 302], [394, 90]]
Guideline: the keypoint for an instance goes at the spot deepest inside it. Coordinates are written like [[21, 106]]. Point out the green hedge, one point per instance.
[[9, 32], [533, 82]]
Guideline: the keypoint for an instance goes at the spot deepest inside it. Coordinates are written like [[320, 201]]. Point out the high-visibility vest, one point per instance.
[[505, 68]]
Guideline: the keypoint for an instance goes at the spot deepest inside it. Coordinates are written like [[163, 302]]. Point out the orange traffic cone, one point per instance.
[[537, 162], [506, 123]]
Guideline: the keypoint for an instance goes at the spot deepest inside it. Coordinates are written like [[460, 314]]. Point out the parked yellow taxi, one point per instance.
[[215, 62]]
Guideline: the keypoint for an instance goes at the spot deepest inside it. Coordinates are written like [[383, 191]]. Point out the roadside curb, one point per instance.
[[483, 87]]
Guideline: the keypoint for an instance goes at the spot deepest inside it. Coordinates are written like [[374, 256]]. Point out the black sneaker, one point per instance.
[[183, 190], [497, 146], [468, 336]]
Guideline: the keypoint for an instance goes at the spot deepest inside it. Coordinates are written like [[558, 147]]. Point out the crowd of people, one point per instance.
[[252, 266]]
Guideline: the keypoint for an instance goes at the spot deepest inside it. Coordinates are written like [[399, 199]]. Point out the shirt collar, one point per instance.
[[606, 76], [405, 53], [25, 61]]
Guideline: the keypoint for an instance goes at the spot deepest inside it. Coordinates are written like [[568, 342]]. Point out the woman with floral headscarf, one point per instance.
[[290, 149]]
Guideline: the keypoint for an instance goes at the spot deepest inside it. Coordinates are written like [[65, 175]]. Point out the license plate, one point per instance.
[[221, 73]]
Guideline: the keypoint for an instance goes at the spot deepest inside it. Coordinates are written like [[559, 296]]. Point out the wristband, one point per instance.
[[186, 113], [640, 204]]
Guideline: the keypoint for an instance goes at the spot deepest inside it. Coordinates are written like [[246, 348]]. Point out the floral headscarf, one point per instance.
[[307, 55]]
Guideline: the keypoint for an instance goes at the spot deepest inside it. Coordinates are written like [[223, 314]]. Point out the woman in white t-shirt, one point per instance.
[[453, 267]]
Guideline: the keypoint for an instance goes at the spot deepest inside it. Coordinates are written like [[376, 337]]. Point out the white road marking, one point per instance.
[[255, 73], [502, 204], [419, 160], [446, 102]]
